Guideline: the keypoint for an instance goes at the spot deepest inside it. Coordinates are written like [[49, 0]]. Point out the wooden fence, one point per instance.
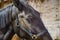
[[3, 3]]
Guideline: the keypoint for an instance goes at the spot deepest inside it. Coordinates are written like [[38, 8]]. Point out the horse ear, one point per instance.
[[15, 2], [18, 5]]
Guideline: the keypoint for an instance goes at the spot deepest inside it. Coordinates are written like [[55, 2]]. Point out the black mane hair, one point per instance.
[[18, 5]]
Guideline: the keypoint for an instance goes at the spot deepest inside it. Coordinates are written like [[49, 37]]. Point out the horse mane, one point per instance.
[[18, 5]]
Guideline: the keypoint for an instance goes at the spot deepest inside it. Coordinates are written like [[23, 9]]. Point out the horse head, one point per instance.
[[30, 21]]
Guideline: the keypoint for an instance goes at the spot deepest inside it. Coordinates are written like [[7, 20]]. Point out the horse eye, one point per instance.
[[22, 16], [28, 20]]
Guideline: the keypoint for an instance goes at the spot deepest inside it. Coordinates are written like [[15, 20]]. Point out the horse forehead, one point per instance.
[[24, 14]]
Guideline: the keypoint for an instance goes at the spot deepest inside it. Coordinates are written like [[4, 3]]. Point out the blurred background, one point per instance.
[[50, 14]]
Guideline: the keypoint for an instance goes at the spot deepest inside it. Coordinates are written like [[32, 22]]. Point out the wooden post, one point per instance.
[[9, 1], [1, 3], [5, 2]]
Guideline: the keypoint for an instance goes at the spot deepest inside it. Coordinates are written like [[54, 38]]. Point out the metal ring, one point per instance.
[[34, 36]]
